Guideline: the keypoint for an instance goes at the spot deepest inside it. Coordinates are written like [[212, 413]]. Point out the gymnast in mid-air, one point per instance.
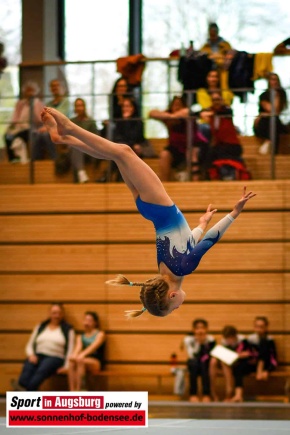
[[179, 249]]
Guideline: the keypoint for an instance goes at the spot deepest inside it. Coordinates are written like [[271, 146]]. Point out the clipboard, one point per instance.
[[224, 354]]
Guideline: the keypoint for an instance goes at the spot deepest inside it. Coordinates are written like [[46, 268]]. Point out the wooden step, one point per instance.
[[44, 171]]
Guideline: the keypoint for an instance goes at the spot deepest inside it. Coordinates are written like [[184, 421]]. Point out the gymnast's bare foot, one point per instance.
[[64, 125], [52, 128], [237, 399], [193, 399]]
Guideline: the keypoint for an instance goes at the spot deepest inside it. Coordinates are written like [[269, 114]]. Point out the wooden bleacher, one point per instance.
[[61, 242], [259, 166]]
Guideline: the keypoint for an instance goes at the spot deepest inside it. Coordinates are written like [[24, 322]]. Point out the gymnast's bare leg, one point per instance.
[[139, 177]]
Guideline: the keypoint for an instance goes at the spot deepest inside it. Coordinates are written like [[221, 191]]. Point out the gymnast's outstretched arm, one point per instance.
[[221, 226]]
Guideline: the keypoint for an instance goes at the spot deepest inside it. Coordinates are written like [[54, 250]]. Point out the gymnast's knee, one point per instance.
[[125, 152]]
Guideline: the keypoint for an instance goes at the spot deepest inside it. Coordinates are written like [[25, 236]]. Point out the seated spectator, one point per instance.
[[47, 350], [204, 98], [262, 122], [17, 134], [264, 348], [88, 355], [129, 130], [121, 89], [258, 356], [213, 84], [59, 99], [198, 347], [225, 144], [233, 374], [42, 144], [175, 154], [78, 158]]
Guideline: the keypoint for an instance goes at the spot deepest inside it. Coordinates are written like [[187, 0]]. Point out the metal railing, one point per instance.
[[99, 101]]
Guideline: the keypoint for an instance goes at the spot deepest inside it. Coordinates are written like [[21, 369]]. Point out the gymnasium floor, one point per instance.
[[189, 419]]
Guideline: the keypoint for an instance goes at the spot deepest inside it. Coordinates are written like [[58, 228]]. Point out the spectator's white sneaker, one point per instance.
[[265, 147], [20, 150], [82, 176]]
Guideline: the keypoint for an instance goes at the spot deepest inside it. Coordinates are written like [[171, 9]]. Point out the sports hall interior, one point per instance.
[[60, 241]]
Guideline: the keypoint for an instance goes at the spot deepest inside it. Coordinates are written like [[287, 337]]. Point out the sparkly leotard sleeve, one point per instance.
[[177, 246]]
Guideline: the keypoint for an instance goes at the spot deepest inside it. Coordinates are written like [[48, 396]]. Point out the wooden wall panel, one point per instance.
[[58, 243], [92, 288], [129, 227], [159, 347], [222, 257], [115, 197], [8, 371], [24, 317], [287, 317], [14, 174], [56, 288], [15, 351], [269, 195], [287, 255], [287, 286], [53, 198], [53, 258], [53, 228], [180, 320], [216, 287], [140, 348]]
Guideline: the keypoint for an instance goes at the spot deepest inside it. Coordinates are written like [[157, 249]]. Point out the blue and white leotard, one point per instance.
[[177, 246]]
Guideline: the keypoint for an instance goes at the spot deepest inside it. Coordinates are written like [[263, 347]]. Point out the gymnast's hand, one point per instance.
[[206, 218], [241, 203]]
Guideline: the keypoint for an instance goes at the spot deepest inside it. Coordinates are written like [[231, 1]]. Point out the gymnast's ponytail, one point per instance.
[[122, 280], [153, 295], [134, 313]]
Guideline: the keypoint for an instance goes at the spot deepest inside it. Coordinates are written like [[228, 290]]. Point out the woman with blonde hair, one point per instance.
[[179, 250]]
